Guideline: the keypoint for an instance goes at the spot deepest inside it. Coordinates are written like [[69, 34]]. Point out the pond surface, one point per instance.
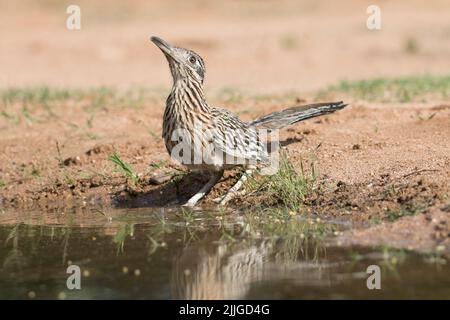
[[165, 254]]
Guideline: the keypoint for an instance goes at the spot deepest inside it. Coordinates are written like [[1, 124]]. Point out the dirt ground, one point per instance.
[[383, 166]]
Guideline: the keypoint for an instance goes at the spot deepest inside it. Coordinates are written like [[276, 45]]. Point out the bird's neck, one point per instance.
[[187, 95]]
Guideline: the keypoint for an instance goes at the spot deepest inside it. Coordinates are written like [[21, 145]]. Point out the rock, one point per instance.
[[158, 179]]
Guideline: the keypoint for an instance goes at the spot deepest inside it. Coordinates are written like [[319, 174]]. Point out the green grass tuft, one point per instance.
[[123, 167], [92, 98], [404, 89], [158, 165], [36, 94], [287, 186], [281, 220]]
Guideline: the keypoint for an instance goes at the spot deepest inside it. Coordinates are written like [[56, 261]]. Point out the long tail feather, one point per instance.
[[280, 119]]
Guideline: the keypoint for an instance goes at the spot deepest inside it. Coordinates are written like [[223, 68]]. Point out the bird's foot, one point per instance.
[[189, 204], [223, 200], [234, 191]]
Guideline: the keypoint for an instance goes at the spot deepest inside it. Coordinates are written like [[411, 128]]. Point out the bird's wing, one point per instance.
[[236, 139]]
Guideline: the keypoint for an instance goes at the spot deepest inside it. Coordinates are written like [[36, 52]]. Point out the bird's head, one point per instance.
[[183, 63]]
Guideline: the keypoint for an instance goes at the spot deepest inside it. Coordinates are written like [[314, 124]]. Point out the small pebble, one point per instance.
[[137, 272], [31, 294]]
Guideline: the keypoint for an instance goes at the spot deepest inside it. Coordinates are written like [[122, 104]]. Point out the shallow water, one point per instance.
[[165, 254]]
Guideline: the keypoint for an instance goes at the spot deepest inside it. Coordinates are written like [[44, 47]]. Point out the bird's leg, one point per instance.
[[206, 188], [234, 189]]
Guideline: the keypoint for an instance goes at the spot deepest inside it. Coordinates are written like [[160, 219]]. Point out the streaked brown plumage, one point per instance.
[[188, 117]]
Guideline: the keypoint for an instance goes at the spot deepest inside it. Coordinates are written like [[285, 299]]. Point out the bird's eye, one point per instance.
[[192, 60]]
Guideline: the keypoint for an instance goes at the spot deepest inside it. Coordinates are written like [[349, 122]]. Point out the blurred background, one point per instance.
[[258, 46]]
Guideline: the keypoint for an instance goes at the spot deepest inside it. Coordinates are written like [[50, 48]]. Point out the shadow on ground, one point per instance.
[[174, 192]]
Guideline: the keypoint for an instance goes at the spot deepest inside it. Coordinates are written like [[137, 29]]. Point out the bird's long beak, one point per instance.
[[164, 46]]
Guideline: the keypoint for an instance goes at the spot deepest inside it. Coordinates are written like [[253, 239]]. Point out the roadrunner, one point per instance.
[[211, 139]]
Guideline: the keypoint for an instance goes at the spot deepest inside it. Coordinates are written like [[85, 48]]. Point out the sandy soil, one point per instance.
[[374, 160]]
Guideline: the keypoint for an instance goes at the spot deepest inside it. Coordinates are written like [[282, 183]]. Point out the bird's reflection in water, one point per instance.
[[227, 271]]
